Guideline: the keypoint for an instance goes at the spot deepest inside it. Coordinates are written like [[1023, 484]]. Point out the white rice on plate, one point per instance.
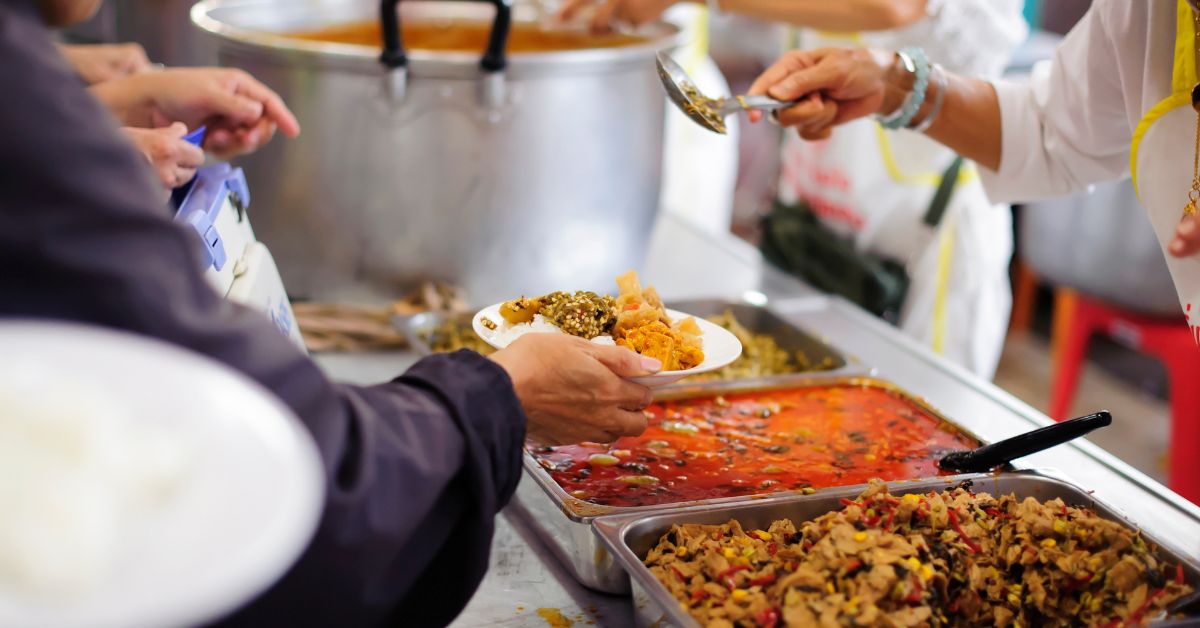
[[77, 478]]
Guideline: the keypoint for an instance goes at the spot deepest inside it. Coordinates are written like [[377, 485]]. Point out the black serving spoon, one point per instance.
[[999, 453]]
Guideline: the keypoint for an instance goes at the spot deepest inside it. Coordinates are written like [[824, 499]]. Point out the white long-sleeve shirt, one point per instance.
[[1073, 124], [1076, 123]]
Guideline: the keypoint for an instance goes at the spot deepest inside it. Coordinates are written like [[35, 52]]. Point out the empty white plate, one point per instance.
[[719, 345], [183, 488]]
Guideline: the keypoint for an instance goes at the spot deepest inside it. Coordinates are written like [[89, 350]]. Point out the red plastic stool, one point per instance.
[[1078, 317]]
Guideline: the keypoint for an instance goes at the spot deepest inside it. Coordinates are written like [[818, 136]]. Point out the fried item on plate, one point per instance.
[[637, 307], [643, 326], [656, 340]]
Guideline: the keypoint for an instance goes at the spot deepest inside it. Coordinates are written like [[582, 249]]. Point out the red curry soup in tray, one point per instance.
[[758, 442]]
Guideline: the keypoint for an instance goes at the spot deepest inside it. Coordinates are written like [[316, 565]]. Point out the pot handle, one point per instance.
[[395, 61]]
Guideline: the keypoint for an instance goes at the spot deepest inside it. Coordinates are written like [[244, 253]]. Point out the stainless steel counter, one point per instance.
[[685, 263]]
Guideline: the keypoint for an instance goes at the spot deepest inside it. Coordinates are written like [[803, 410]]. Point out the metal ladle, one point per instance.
[[709, 113]]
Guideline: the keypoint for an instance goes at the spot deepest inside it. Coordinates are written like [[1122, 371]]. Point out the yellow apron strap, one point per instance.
[[931, 179], [947, 230], [945, 256], [1183, 75], [1183, 78], [698, 49]]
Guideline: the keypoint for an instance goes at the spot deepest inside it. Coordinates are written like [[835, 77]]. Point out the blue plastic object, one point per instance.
[[199, 207], [196, 137]]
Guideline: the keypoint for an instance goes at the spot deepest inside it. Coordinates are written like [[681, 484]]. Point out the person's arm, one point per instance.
[[97, 63], [416, 469], [832, 15], [173, 159], [969, 122], [1065, 131], [241, 113], [838, 85]]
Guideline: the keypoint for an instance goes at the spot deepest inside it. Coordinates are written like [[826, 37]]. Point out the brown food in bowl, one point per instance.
[[452, 336], [761, 356], [951, 558]]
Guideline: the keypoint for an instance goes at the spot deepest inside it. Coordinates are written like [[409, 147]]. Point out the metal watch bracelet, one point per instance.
[[914, 61], [939, 97]]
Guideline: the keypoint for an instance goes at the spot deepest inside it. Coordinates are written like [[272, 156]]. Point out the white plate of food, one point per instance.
[[635, 318], [142, 484]]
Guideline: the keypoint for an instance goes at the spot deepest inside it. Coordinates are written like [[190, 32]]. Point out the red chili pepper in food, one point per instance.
[[1135, 617], [871, 522], [1179, 574], [915, 595], [682, 577], [891, 517], [772, 548], [995, 512], [848, 502], [1078, 582], [853, 564], [699, 594], [975, 549], [763, 581], [727, 575], [768, 618]]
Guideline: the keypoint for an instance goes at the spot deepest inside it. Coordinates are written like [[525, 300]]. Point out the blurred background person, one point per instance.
[[96, 63], [874, 186]]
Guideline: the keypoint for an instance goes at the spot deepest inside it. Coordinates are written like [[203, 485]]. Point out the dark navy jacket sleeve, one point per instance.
[[416, 468]]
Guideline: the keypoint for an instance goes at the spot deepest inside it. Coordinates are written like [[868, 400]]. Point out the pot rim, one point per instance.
[[659, 36]]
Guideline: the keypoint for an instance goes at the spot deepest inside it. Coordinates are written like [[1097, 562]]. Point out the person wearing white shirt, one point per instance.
[[1119, 98], [1115, 100], [873, 187]]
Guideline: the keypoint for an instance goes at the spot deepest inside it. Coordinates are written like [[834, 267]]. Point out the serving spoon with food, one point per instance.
[[709, 113], [1003, 452]]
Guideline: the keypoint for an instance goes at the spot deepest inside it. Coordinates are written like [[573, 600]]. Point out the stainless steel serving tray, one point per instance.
[[565, 522], [418, 327], [761, 320], [628, 538]]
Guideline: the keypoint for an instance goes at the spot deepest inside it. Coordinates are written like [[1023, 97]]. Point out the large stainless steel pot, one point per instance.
[[519, 174]]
